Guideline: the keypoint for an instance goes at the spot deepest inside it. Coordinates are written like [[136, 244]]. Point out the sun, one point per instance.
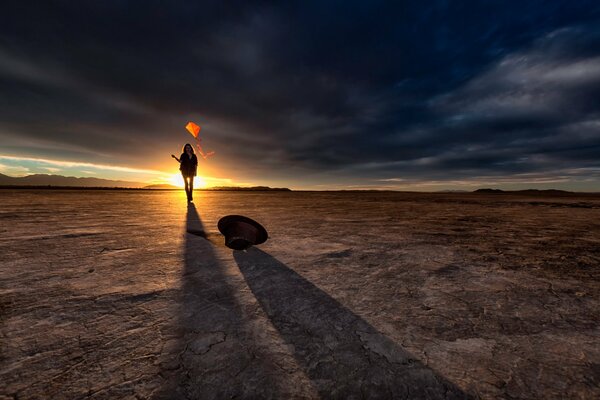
[[177, 180]]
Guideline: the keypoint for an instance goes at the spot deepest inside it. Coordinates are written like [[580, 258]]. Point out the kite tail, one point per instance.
[[202, 153]]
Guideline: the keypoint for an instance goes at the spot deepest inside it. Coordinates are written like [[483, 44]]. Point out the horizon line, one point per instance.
[[485, 190]]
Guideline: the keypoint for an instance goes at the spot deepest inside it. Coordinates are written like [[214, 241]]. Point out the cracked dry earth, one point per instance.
[[132, 295]]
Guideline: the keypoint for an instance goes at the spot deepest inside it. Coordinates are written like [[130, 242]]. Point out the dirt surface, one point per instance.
[[354, 295]]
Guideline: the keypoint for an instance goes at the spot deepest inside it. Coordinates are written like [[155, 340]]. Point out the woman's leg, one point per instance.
[[192, 187], [187, 188]]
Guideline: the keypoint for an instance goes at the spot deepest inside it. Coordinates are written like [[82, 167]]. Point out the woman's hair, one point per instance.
[[185, 145]]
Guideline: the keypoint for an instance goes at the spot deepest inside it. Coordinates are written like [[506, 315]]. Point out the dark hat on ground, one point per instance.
[[241, 232]]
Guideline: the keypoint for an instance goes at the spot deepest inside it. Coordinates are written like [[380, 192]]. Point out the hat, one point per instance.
[[241, 232]]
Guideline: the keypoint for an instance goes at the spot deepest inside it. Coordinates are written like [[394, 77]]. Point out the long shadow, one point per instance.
[[211, 353], [342, 354]]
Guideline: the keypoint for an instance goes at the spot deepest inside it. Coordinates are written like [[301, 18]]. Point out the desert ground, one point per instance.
[[133, 295]]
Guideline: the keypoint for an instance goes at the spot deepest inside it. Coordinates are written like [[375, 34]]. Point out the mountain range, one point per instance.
[[42, 180], [67, 181]]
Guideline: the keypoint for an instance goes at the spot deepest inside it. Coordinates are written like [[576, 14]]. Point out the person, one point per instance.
[[188, 165]]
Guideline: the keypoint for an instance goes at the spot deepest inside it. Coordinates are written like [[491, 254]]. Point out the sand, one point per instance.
[[104, 294]]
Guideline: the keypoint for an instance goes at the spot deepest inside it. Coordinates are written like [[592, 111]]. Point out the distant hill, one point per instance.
[[543, 192], [44, 181], [64, 181], [486, 190]]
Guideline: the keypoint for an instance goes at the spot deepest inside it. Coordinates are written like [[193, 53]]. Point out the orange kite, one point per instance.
[[194, 129]]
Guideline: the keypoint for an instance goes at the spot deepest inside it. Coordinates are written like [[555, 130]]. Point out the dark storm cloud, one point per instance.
[[359, 89]]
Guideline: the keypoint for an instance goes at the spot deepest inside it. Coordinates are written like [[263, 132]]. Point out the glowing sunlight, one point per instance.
[[177, 180]]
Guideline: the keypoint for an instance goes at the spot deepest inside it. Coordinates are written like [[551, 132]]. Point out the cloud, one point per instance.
[[306, 92], [14, 170], [533, 110], [535, 82], [70, 164], [53, 169]]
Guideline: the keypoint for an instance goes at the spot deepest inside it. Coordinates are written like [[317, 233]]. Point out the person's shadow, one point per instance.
[[343, 355], [210, 352]]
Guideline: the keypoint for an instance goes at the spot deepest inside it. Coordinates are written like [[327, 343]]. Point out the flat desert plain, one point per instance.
[[133, 295]]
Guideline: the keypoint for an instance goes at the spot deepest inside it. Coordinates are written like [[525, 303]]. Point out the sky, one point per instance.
[[435, 95]]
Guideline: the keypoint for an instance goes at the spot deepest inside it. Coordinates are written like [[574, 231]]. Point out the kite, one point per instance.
[[194, 130]]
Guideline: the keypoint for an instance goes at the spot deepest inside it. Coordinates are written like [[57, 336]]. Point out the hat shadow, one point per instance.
[[342, 354]]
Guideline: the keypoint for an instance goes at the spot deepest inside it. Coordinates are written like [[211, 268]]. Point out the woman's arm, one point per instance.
[[178, 160]]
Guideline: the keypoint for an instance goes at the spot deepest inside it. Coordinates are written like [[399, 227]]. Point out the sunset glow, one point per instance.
[[177, 180]]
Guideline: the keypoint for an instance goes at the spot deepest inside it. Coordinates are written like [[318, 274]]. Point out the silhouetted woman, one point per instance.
[[188, 165]]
